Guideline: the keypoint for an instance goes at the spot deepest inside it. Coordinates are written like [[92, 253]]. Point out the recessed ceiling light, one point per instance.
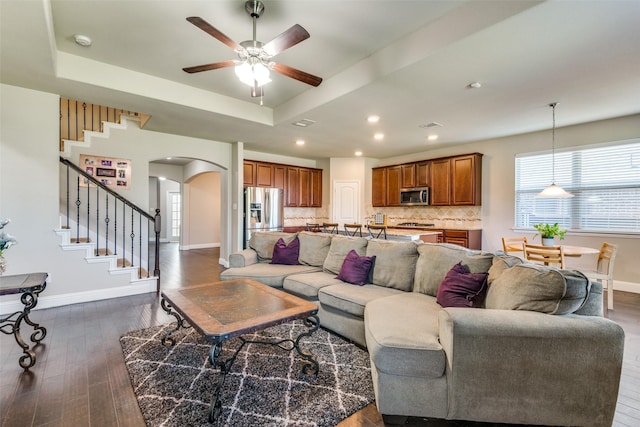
[[358, 153], [378, 136], [373, 119], [300, 142], [162, 178], [432, 137], [304, 123], [430, 125], [474, 85], [169, 158], [82, 40]]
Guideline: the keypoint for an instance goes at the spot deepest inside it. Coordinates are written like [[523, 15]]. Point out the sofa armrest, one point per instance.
[[531, 368], [243, 258]]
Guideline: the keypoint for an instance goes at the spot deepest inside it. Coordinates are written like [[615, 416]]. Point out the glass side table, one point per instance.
[[29, 287]]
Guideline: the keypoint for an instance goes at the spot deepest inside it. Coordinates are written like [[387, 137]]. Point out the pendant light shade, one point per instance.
[[553, 191]]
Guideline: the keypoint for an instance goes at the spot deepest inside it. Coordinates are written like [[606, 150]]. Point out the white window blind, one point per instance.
[[604, 180]]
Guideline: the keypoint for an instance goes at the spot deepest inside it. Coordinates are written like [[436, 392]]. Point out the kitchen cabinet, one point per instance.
[[408, 175], [249, 172], [379, 187], [302, 186], [422, 174], [440, 182], [471, 239], [466, 176], [393, 185]]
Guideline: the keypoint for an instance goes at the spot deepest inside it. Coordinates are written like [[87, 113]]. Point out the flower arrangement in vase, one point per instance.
[[548, 232], [6, 240]]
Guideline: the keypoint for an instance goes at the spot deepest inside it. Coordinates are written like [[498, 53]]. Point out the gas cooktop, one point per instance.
[[414, 224]]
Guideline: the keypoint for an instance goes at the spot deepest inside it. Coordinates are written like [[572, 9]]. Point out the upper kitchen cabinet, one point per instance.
[[453, 181], [393, 185], [379, 187], [302, 186], [441, 182], [466, 180]]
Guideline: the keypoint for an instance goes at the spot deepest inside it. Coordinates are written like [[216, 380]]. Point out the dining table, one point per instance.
[[569, 250]]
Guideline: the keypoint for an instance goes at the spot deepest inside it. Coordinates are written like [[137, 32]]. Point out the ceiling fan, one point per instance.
[[254, 58]]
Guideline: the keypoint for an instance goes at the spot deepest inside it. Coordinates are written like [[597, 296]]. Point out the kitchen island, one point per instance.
[[413, 235]]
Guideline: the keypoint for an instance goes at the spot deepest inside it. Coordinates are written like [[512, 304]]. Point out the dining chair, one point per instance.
[[375, 231], [313, 227], [604, 270], [544, 254], [330, 227], [353, 229], [513, 244]]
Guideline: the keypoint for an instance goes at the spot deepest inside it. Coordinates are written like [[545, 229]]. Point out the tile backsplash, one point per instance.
[[465, 217]]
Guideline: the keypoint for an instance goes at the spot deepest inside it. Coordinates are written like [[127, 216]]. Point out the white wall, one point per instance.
[[498, 194], [202, 211]]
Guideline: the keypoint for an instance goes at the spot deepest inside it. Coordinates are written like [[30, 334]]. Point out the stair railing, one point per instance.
[[112, 221]]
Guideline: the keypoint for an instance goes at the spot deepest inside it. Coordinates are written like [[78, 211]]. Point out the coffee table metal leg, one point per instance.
[[224, 367], [180, 323], [310, 361], [12, 326]]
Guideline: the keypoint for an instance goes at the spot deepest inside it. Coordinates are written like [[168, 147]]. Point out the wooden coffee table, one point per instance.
[[223, 310]]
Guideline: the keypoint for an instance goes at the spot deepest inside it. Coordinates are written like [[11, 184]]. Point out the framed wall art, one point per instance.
[[112, 172]]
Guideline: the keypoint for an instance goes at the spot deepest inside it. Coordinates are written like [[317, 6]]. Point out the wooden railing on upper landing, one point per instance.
[[78, 116]]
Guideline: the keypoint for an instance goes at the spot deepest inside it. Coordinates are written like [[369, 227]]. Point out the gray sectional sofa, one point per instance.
[[538, 351]]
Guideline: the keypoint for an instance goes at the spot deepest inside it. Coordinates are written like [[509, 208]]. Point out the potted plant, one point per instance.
[[547, 232]]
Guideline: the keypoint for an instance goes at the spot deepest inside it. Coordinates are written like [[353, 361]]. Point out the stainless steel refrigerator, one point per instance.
[[263, 210]]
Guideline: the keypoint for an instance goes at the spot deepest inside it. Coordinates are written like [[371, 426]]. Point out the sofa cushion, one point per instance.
[[539, 288], [436, 259], [395, 263], [402, 335], [460, 288], [269, 274], [355, 268], [307, 285], [313, 248], [500, 263], [263, 242], [286, 254], [340, 247], [352, 299]]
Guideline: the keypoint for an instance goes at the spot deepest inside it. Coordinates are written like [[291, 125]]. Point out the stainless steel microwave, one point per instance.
[[414, 196]]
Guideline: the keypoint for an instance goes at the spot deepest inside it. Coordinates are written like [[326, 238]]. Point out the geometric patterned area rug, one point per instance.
[[265, 387]]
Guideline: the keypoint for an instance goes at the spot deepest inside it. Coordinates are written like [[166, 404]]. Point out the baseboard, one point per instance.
[[619, 285], [199, 246], [223, 262], [45, 301]]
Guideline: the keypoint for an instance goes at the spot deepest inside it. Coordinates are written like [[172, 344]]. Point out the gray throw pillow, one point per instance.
[[263, 242], [313, 248], [436, 259], [395, 263], [540, 288], [340, 247]]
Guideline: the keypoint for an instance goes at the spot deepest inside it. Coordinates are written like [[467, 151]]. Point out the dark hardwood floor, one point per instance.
[[80, 378]]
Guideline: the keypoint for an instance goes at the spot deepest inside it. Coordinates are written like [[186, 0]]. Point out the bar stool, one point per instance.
[[330, 227], [353, 229], [313, 227], [380, 230]]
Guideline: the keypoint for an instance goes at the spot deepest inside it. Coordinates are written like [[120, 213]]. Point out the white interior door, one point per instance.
[[346, 202]]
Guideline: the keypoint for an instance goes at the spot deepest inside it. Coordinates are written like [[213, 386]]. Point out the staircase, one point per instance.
[[95, 218]]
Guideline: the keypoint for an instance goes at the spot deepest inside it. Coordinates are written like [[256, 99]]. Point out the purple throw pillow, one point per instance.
[[283, 254], [460, 288], [355, 268]]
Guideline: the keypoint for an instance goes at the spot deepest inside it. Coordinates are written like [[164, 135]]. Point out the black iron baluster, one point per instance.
[[67, 195], [88, 210], [148, 248], [106, 225], [97, 221], [124, 227], [115, 226], [140, 245], [78, 203], [133, 235], [157, 221]]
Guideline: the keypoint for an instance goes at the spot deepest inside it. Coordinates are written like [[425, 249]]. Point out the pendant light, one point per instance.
[[553, 191]]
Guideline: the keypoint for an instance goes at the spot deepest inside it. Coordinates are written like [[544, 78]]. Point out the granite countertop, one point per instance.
[[414, 228]]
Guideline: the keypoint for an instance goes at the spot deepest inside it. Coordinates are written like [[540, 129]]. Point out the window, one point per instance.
[[605, 181], [175, 214]]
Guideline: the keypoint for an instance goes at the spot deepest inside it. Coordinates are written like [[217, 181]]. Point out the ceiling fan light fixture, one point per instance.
[[253, 75]]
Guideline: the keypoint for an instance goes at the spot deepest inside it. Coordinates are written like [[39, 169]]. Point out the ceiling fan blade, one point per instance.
[[291, 37], [212, 66], [209, 29], [294, 73]]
